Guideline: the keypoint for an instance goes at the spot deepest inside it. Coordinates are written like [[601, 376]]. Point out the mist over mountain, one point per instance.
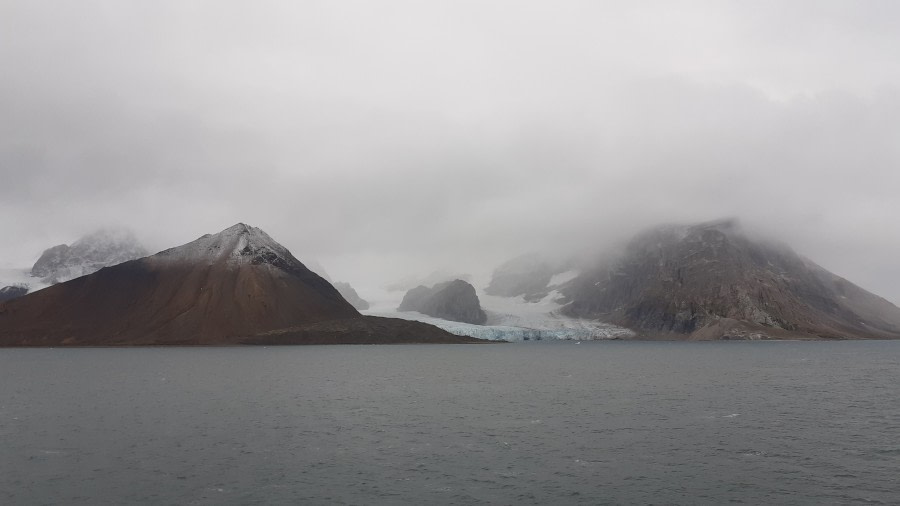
[[530, 276], [103, 248], [558, 175], [390, 142], [501, 129], [715, 281]]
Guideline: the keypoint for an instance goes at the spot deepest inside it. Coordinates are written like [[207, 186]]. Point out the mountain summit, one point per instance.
[[236, 286], [715, 281], [235, 245]]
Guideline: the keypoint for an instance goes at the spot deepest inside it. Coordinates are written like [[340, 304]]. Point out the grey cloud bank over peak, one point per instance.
[[399, 138]]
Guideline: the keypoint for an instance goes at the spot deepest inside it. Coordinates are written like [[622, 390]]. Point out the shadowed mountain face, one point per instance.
[[453, 300], [220, 289], [712, 281]]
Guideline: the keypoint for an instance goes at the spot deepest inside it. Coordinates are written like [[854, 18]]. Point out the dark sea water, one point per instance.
[[538, 423]]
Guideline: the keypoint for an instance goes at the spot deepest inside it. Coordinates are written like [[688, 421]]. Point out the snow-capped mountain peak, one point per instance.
[[237, 244]]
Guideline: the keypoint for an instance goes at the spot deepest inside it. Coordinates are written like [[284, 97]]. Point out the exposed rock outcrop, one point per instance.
[[453, 300], [713, 281], [415, 298]]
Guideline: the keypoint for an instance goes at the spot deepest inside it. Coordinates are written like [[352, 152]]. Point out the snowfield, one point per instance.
[[21, 277]]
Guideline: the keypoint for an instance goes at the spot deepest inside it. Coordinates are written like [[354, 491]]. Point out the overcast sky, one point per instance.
[[393, 138]]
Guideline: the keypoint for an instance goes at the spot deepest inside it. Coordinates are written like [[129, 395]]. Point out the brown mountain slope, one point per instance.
[[712, 281], [220, 289]]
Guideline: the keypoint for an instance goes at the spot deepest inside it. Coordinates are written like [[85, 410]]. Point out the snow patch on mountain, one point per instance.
[[562, 278]]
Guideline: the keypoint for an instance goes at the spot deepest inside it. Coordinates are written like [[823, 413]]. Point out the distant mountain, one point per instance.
[[89, 254], [233, 287], [351, 296], [316, 267], [714, 281], [453, 300], [530, 276]]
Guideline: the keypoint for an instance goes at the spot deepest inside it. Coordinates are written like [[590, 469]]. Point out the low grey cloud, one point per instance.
[[402, 137]]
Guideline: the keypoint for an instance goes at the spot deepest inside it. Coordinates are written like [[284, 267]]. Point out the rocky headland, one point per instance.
[[452, 300]]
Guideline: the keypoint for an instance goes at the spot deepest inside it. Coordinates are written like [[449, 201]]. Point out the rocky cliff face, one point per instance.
[[226, 288], [453, 300], [351, 296], [713, 281], [89, 254]]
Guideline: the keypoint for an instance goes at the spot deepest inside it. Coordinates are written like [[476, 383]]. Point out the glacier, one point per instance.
[[509, 319], [21, 277]]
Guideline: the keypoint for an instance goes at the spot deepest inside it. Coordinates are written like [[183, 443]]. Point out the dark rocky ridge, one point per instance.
[[220, 289], [712, 281], [351, 296], [12, 292], [454, 300]]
